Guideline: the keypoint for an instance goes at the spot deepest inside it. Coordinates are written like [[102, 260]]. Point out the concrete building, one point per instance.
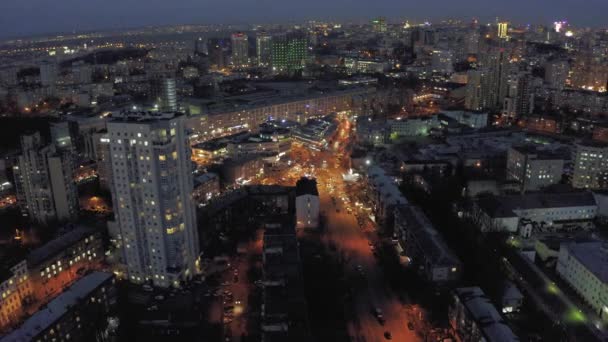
[[240, 49], [61, 261], [473, 318], [206, 187], [585, 267], [263, 49], [538, 211], [289, 52], [424, 247], [241, 171], [151, 193], [533, 168], [413, 126], [307, 203], [73, 315], [384, 195], [16, 291], [164, 94], [44, 181], [590, 169], [475, 120]]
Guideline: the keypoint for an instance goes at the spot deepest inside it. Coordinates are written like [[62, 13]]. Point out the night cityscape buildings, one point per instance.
[[386, 178]]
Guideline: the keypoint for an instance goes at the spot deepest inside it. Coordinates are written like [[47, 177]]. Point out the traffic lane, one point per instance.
[[343, 231]]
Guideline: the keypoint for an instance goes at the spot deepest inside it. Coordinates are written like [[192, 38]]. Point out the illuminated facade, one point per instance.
[[263, 48], [16, 291], [151, 191], [240, 49], [289, 52], [503, 30], [590, 165]]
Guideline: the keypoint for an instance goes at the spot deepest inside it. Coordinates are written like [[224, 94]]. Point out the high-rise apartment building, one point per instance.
[[289, 52], [48, 74], [44, 181], [151, 192], [494, 80], [556, 73], [263, 48], [240, 49], [590, 165]]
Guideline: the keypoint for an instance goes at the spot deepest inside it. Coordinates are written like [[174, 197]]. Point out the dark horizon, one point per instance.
[[35, 17]]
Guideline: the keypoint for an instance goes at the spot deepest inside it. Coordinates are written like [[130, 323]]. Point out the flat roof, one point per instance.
[[46, 317], [58, 245], [505, 206], [593, 255], [486, 316]]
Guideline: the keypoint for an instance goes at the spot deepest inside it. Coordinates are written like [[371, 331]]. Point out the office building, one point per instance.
[[534, 169], [590, 169], [217, 52], [164, 94], [473, 317], [44, 181], [289, 52], [240, 49], [503, 30], [584, 266], [307, 203], [379, 25], [151, 193], [78, 314], [263, 49]]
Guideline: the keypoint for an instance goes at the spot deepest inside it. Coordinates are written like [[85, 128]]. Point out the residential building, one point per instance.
[[78, 314], [307, 203], [58, 263], [151, 193], [44, 181], [424, 247], [263, 47], [474, 318], [584, 266], [16, 291], [590, 169], [534, 168], [164, 94], [384, 195], [240, 49], [413, 126], [206, 187]]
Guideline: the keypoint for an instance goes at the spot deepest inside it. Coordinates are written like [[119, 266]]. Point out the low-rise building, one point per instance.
[[77, 314], [236, 172], [533, 168], [424, 247], [473, 318], [384, 194], [475, 120], [536, 211], [414, 126], [585, 267]]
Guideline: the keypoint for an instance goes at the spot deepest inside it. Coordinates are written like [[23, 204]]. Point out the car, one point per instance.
[[387, 335], [410, 325], [378, 313]]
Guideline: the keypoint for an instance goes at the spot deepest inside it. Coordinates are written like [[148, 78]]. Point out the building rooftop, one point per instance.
[[142, 116], [46, 317], [485, 315], [386, 186], [431, 243], [58, 245], [307, 186], [593, 255], [505, 206]]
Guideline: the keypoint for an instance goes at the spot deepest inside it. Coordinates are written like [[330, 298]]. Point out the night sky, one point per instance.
[[25, 17]]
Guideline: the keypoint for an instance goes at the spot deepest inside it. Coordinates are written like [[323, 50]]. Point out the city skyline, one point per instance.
[[32, 17]]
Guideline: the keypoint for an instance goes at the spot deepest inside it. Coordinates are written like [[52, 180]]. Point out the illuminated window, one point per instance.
[[171, 230], [162, 157]]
